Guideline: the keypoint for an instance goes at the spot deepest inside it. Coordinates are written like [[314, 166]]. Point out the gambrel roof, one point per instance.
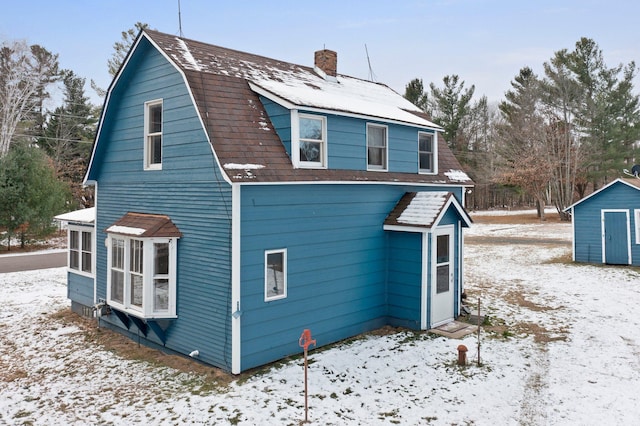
[[226, 86]]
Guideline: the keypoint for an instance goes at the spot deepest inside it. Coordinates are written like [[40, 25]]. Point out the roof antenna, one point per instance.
[[372, 76], [180, 20]]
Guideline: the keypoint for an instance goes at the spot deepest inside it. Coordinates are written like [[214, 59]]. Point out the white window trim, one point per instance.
[[385, 167], [434, 154], [147, 135], [80, 230], [295, 142], [147, 298], [636, 218], [284, 274]]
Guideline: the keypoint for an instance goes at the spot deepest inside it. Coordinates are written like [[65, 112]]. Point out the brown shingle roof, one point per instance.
[[239, 128], [145, 225]]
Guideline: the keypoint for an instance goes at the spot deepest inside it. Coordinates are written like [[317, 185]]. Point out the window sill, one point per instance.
[[306, 165], [153, 167], [82, 273]]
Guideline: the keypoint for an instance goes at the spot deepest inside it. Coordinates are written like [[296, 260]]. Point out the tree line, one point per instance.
[[44, 151], [553, 138]]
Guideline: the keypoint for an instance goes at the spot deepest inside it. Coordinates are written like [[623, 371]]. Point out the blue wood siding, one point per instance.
[[338, 267], [189, 189], [404, 279], [281, 119], [587, 218], [347, 140], [80, 288]]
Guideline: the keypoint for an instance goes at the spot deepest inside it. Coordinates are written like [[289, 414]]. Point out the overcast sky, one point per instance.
[[485, 42]]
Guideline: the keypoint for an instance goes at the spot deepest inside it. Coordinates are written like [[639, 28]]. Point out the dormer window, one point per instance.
[[153, 135], [312, 141], [426, 152], [376, 147]]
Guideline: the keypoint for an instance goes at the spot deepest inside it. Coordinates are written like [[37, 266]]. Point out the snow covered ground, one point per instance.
[[562, 347]]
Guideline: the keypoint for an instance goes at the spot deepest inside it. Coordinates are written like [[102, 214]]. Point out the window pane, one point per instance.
[[161, 259], [73, 259], [275, 274], [136, 289], [86, 261], [135, 256], [310, 151], [425, 143], [117, 286], [376, 156], [86, 241], [442, 249], [442, 279], [73, 240], [155, 118], [117, 253], [160, 294], [155, 149], [310, 128], [425, 161], [376, 136]]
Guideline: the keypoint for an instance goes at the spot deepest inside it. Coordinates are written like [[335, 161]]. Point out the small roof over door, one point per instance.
[[421, 211]]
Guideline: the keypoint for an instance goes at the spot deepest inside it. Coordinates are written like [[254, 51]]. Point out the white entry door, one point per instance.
[[442, 271]]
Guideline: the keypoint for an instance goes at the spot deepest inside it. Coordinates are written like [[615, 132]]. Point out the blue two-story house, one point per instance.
[[242, 199]]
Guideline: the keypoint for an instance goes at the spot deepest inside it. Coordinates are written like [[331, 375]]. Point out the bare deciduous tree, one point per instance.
[[21, 78]]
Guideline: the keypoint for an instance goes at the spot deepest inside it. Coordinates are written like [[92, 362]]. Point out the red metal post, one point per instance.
[[304, 342]]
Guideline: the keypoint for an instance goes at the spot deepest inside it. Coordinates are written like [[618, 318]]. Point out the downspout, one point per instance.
[[236, 309]]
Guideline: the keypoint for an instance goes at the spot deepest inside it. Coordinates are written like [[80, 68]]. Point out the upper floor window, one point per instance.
[[141, 278], [425, 152], [81, 249], [275, 274], [153, 134], [312, 141], [376, 147]]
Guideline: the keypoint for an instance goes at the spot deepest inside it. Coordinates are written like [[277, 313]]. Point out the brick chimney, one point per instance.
[[327, 61]]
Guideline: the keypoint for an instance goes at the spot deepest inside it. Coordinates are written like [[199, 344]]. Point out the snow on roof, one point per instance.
[[235, 166], [346, 94], [457, 176], [82, 215], [125, 230], [299, 85], [423, 208]]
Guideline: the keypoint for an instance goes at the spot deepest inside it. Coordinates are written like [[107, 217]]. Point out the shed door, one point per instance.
[[615, 235], [442, 291]]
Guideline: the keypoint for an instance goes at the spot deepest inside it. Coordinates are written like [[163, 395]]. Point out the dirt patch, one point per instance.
[[518, 298], [524, 218], [128, 349]]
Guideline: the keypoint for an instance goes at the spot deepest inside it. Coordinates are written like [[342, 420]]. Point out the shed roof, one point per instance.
[[226, 85], [424, 209], [632, 182], [87, 215], [145, 225]]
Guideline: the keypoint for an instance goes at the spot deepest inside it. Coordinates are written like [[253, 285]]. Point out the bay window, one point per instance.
[[142, 275]]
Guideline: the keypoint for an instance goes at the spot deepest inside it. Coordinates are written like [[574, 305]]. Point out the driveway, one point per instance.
[[32, 261]]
